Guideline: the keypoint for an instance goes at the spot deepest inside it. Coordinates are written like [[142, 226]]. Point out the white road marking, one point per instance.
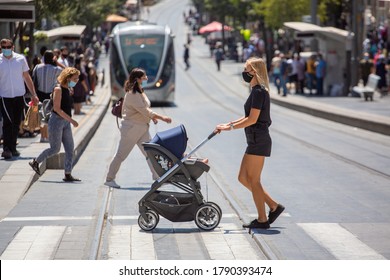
[[222, 244], [340, 242], [74, 218], [46, 218], [119, 243], [34, 243], [142, 244]]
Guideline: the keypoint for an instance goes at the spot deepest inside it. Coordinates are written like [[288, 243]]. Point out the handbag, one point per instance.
[[32, 120], [117, 110]]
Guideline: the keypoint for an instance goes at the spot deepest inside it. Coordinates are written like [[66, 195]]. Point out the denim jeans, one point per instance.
[[277, 81], [59, 132]]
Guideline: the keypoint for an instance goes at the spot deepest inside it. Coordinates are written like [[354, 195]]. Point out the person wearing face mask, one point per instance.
[[59, 123], [63, 59], [255, 122], [14, 73], [134, 130]]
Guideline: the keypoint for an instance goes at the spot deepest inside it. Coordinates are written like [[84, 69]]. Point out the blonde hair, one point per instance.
[[259, 66], [66, 74]]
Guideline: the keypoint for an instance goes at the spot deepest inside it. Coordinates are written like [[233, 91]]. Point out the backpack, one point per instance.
[[117, 110]]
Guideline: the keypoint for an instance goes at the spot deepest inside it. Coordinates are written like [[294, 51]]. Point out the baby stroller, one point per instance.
[[179, 172]]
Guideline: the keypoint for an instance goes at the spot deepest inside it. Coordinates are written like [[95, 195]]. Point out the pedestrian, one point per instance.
[[256, 122], [80, 90], [275, 69], [300, 75], [59, 124], [284, 70], [63, 59], [311, 73], [366, 68], [187, 56], [14, 74], [320, 74], [45, 77], [218, 54], [134, 130], [381, 71]]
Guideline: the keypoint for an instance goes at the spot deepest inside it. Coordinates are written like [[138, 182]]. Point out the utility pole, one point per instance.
[[313, 18], [313, 12], [355, 24]]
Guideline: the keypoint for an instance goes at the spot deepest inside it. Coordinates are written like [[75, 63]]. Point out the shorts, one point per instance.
[[258, 140]]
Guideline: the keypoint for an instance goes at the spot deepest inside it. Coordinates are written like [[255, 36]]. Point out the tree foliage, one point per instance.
[[274, 12], [88, 12]]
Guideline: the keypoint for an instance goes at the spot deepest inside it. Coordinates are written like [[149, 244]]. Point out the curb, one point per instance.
[[349, 117]]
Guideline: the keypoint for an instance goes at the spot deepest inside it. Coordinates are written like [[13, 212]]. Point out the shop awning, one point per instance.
[[213, 27], [116, 18]]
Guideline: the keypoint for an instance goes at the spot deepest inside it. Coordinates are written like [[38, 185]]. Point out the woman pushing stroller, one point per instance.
[[136, 116], [256, 122]]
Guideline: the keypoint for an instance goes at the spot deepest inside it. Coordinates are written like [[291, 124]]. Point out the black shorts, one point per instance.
[[258, 140]]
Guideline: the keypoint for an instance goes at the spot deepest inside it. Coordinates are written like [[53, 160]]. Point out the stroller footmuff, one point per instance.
[[182, 201]]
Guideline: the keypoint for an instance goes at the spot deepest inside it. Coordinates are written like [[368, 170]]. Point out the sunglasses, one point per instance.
[[6, 47]]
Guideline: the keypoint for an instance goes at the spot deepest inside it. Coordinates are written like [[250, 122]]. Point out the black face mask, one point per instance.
[[247, 77]]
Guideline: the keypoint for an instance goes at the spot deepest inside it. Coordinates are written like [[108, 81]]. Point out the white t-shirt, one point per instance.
[[11, 75], [63, 61]]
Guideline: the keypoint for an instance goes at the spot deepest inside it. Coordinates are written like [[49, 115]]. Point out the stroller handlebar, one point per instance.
[[212, 134]]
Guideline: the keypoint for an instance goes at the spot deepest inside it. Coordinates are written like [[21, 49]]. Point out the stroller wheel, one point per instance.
[[150, 223], [207, 216], [216, 206]]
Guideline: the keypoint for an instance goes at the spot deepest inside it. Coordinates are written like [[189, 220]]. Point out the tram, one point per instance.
[[150, 47]]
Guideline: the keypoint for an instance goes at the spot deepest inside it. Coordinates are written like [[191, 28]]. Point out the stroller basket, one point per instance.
[[174, 206]]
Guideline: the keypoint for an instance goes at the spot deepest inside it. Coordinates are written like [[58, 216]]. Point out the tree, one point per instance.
[[88, 12], [276, 12]]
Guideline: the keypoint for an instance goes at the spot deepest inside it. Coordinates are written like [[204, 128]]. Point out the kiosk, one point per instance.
[[333, 44]]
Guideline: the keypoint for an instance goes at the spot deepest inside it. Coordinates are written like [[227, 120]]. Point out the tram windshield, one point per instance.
[[142, 51]]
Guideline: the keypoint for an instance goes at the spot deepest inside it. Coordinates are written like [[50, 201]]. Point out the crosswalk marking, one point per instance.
[[75, 218], [142, 245], [228, 242], [119, 243], [340, 242], [34, 243]]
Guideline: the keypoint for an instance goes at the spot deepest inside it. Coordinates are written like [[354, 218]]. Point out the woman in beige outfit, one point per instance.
[[136, 116]]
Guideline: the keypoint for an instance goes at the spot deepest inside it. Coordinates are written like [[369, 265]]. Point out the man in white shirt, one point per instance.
[[63, 59], [14, 72]]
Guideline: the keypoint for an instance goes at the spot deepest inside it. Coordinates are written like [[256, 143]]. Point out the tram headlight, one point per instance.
[[158, 84]]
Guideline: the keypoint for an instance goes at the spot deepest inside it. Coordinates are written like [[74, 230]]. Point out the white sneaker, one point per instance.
[[112, 184]]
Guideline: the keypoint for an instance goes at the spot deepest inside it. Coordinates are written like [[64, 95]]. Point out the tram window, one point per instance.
[[168, 65], [117, 66], [145, 52]]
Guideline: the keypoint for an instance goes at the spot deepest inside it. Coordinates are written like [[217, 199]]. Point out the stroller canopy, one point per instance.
[[174, 140]]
